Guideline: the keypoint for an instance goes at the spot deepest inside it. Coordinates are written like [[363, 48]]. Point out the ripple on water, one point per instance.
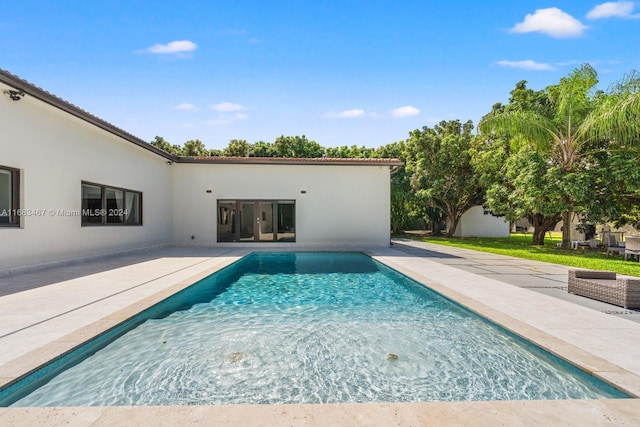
[[314, 338]]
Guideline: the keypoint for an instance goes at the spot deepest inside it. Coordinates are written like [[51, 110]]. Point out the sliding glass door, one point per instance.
[[264, 220], [227, 227], [256, 221], [247, 222]]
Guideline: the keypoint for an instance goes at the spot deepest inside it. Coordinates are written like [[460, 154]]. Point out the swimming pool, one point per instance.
[[304, 328]]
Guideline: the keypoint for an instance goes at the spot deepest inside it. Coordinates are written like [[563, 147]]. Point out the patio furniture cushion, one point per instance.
[[613, 246], [605, 286], [632, 248]]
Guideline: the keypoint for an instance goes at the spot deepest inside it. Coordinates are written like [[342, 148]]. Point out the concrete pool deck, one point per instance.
[[50, 311]]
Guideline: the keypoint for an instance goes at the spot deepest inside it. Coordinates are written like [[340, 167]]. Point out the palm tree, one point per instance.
[[580, 117]]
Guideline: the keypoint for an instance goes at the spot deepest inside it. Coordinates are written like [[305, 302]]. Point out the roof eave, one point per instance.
[[290, 161], [46, 97]]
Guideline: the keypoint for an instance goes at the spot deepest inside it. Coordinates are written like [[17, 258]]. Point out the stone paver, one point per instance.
[[523, 273]]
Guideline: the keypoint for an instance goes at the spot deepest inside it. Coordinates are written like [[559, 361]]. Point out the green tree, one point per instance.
[[237, 148], [261, 149], [195, 148], [528, 190], [296, 146], [577, 119], [405, 206], [499, 172], [441, 170], [353, 152], [614, 188], [163, 144]]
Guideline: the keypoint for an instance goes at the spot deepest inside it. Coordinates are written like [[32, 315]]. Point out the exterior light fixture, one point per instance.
[[14, 95]]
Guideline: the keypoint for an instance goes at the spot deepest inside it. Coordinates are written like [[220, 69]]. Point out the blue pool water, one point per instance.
[[304, 328]]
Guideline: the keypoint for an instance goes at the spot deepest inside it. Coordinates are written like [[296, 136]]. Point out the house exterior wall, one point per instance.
[[475, 223], [343, 204], [55, 151]]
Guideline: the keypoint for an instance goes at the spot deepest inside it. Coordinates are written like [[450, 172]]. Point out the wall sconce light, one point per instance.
[[14, 95]]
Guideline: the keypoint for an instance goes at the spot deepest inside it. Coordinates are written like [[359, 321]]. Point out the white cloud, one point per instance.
[[228, 114], [552, 22], [406, 111], [527, 65], [347, 114], [619, 9], [185, 106], [178, 46], [571, 62], [226, 107], [351, 113]]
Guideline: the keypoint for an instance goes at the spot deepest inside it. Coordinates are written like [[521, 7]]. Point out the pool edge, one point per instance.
[[587, 412]]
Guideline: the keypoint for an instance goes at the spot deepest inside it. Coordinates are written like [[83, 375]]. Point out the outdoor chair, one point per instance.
[[605, 286], [613, 246], [632, 248]]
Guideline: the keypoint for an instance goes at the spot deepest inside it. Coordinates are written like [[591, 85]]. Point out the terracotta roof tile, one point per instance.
[[292, 160]]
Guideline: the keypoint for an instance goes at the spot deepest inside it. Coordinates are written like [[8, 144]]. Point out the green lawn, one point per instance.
[[519, 245]]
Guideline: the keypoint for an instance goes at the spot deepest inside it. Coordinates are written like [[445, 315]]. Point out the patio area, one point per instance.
[[49, 311]]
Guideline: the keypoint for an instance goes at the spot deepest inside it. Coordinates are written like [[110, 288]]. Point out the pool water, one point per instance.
[[311, 328]]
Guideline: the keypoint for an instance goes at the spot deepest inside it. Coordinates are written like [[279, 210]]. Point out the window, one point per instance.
[[256, 221], [104, 205], [9, 197]]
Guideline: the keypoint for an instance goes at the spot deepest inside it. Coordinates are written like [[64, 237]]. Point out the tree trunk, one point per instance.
[[542, 224], [538, 236], [435, 228], [566, 230], [455, 219]]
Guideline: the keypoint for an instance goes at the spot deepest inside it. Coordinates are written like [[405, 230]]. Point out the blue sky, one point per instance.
[[340, 72]]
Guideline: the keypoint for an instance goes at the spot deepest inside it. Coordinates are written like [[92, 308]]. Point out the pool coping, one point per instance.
[[395, 414]]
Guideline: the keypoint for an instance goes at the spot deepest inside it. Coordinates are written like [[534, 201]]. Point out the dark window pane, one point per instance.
[[115, 206], [9, 197], [227, 221], [110, 205], [286, 221], [132, 208], [247, 221], [91, 204], [265, 221]]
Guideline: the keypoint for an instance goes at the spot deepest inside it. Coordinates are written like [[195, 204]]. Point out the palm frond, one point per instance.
[[574, 94], [537, 130], [617, 119]]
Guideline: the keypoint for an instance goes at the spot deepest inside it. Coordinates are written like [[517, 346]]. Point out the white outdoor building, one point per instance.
[[74, 186], [477, 223]]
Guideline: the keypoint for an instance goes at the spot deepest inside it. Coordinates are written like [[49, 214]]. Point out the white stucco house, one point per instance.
[[476, 222], [74, 186]]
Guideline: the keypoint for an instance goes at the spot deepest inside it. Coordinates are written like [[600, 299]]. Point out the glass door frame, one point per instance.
[[231, 210]]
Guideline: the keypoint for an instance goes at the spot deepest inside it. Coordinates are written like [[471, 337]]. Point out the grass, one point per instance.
[[519, 245]]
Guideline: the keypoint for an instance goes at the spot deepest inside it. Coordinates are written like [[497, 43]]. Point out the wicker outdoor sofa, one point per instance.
[[605, 286]]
